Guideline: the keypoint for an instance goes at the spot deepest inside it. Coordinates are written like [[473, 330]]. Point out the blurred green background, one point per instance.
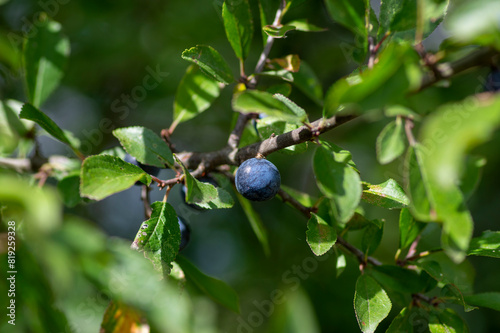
[[112, 45]]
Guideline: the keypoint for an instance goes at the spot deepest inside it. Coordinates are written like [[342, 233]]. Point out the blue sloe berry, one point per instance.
[[258, 179], [493, 81], [185, 233]]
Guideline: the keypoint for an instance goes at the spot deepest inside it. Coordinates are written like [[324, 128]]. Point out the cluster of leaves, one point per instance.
[[439, 175]]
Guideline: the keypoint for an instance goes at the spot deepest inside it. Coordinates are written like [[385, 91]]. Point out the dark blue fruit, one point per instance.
[[258, 179], [205, 179], [185, 233], [149, 169], [493, 81]]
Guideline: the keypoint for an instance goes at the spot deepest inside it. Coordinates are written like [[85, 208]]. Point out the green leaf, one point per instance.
[[12, 129], [290, 105], [486, 300], [195, 94], [417, 185], [445, 270], [452, 294], [475, 22], [391, 142], [454, 129], [351, 14], [267, 11], [284, 89], [410, 320], [145, 145], [39, 206], [371, 303], [254, 101], [304, 198], [205, 195], [255, 222], [471, 175], [399, 18], [160, 236], [216, 289], [433, 269], [399, 110], [358, 222], [338, 181], [238, 24], [320, 236], [104, 175], [449, 133], [486, 245], [278, 31], [409, 228], [372, 236], [31, 113], [307, 82], [396, 73], [388, 195], [210, 62], [401, 323], [134, 281], [447, 321], [293, 312], [69, 188], [44, 58], [399, 279], [341, 263], [304, 25]]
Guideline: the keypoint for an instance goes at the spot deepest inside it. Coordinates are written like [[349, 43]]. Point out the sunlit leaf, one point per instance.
[[254, 101], [160, 236], [31, 113], [486, 245], [371, 303], [409, 228], [320, 236], [391, 142], [396, 73], [210, 62], [45, 56], [205, 195], [195, 94], [338, 181], [238, 24], [475, 22], [304, 25], [278, 31], [388, 195], [145, 145], [104, 175]]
